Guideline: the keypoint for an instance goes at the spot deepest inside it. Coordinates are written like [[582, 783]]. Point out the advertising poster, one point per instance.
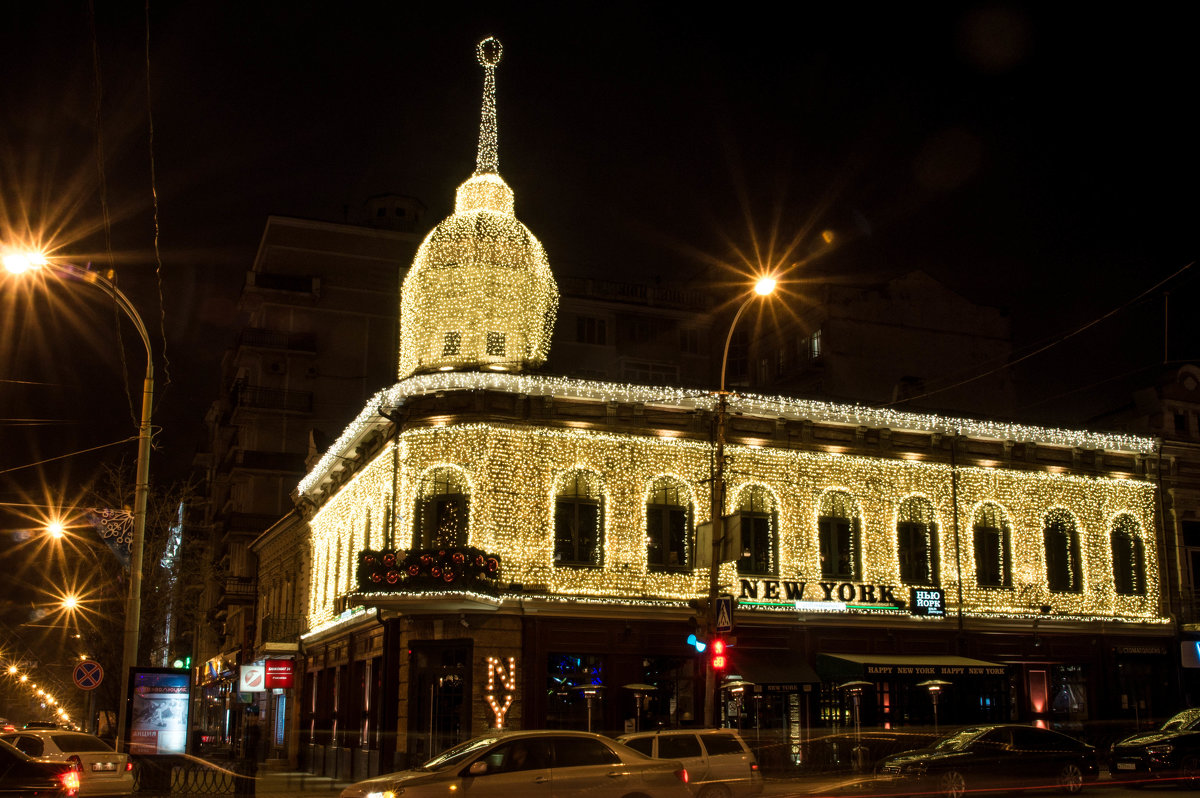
[[159, 711]]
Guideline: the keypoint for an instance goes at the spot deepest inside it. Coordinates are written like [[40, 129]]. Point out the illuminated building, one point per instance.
[[494, 547]]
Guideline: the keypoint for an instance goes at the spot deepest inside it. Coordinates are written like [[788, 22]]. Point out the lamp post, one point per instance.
[[764, 287], [18, 263], [934, 686]]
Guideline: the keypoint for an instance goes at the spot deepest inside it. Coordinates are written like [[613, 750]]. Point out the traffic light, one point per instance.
[[696, 643], [720, 661]]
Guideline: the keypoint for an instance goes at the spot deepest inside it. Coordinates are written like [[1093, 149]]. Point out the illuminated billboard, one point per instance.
[[158, 706]]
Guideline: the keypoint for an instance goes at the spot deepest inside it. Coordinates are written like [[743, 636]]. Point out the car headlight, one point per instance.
[[386, 793], [1160, 750]]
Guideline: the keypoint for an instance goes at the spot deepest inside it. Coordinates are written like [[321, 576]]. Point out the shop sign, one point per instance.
[[278, 673], [501, 682], [252, 679], [935, 670], [929, 601], [818, 597]]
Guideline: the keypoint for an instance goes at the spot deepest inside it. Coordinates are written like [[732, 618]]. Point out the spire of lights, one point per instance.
[[488, 159]]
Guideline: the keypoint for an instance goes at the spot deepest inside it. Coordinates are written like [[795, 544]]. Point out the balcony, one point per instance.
[[282, 628], [261, 338], [240, 590], [257, 399], [291, 283]]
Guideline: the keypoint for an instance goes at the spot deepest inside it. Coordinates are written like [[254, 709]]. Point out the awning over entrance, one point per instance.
[[773, 672], [836, 667]]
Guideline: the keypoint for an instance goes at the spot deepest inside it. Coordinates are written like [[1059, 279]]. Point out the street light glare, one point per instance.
[[21, 262], [70, 602], [55, 530], [765, 285]]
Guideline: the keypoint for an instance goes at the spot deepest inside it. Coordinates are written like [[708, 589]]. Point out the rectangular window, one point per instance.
[[667, 530], [495, 344], [991, 557], [451, 344], [757, 551], [814, 346], [577, 532], [689, 342], [650, 373], [590, 330], [839, 552]]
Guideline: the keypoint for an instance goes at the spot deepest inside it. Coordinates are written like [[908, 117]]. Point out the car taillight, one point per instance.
[[682, 775], [70, 781], [753, 766], [75, 762], [128, 765]]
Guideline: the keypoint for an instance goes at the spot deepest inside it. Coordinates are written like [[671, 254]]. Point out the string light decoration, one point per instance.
[[480, 294], [517, 471], [371, 420], [508, 680]]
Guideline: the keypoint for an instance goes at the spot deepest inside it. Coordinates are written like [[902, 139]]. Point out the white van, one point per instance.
[[718, 761]]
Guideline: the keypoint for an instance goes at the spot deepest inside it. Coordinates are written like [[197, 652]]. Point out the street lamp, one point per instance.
[[21, 262], [764, 287]]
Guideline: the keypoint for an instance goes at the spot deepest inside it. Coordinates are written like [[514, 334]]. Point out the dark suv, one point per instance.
[[1169, 752]]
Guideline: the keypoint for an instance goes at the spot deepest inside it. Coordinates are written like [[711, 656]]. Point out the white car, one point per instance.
[[102, 771], [718, 761], [533, 764]]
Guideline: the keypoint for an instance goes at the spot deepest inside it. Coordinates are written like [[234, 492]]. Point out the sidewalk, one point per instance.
[[279, 784]]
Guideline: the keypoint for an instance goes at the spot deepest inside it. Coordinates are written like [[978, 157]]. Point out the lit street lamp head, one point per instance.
[[21, 262], [765, 285]]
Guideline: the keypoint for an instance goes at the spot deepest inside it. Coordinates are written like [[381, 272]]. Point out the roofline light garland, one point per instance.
[[749, 404]]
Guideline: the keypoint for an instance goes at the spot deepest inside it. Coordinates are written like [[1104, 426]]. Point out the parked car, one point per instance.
[[993, 757], [718, 761], [102, 771], [22, 776], [533, 764], [1171, 751]]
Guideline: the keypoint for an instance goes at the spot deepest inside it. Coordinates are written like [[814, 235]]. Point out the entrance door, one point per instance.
[[439, 697]]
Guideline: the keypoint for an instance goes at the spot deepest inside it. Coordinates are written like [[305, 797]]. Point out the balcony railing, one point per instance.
[[240, 590], [282, 628], [257, 397], [277, 339]]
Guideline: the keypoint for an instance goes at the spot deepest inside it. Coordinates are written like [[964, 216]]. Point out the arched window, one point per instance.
[[669, 526], [443, 510], [840, 533], [993, 547], [579, 520], [916, 539], [1061, 541], [757, 520], [1128, 556]]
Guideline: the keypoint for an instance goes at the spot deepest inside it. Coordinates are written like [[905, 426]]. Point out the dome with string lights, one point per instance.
[[480, 294]]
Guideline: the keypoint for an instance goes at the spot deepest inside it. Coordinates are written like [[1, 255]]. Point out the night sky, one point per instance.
[[1037, 157]]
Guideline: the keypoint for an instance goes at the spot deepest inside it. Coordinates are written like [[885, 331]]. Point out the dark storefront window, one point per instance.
[[443, 510], [840, 533], [1069, 700], [579, 521], [916, 535], [439, 697], [1128, 557], [1061, 539], [993, 547], [668, 526], [569, 677], [759, 521]]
